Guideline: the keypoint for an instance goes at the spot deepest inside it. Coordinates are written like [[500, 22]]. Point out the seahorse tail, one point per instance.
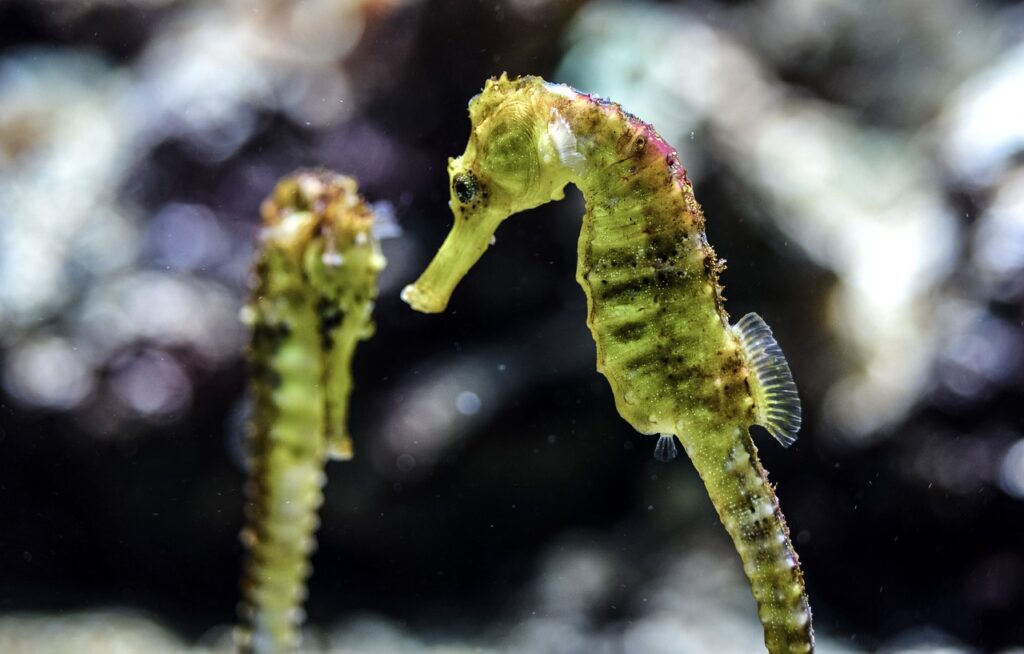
[[284, 497], [746, 504]]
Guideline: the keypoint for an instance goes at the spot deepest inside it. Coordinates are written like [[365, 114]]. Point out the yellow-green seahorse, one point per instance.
[[315, 281], [654, 305]]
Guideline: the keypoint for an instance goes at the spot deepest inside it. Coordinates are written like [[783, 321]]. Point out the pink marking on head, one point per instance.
[[662, 147]]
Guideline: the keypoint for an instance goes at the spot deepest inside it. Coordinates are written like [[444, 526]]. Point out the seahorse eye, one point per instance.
[[465, 186]]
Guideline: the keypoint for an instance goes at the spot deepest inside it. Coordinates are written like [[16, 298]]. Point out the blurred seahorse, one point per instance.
[[315, 282], [676, 366]]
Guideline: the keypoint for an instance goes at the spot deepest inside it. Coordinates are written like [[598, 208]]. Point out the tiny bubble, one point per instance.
[[405, 462], [467, 403]]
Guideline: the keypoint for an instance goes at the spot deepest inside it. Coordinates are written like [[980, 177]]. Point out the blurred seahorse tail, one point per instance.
[[748, 508], [282, 514], [315, 283]]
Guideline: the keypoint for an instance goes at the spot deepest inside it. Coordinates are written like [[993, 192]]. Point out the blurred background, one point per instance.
[[861, 165]]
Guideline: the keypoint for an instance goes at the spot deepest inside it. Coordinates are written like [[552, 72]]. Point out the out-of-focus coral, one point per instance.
[[980, 132], [133, 312], [1011, 470], [894, 64], [87, 633], [998, 239], [205, 76], [698, 603], [63, 154]]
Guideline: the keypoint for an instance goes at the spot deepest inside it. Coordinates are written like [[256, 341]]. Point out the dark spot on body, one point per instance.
[[663, 278], [642, 361], [268, 336], [629, 331], [329, 317], [271, 378]]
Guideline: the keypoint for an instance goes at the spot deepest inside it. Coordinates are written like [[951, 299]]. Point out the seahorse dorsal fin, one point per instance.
[[775, 398], [665, 450]]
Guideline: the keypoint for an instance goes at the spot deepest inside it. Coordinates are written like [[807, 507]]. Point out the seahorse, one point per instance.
[[314, 284], [655, 307]]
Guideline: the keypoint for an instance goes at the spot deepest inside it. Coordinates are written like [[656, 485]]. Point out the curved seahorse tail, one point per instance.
[[746, 504]]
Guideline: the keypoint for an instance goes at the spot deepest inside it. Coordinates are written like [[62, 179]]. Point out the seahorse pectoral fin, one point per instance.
[[468, 240], [776, 401]]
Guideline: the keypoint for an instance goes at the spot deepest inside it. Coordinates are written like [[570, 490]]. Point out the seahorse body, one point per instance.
[[315, 282], [655, 306]]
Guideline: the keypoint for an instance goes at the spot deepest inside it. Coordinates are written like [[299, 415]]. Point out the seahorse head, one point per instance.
[[316, 221], [510, 164]]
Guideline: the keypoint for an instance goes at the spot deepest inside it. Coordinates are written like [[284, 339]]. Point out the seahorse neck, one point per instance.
[[633, 183]]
